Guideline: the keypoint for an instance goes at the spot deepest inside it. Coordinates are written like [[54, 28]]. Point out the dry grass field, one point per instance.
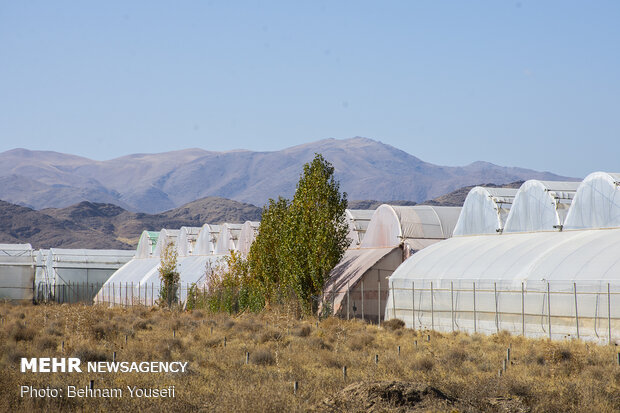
[[451, 372]]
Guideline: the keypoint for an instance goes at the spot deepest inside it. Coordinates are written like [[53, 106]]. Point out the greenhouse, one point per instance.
[[187, 240], [358, 280], [540, 206], [17, 271], [416, 226], [227, 241], [146, 244], [597, 202], [393, 233], [166, 237], [555, 284], [206, 243], [138, 281], [485, 211], [358, 220], [247, 236], [72, 275]]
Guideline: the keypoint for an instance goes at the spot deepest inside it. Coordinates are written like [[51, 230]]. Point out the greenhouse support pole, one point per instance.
[[496, 309], [113, 294], [549, 307], [152, 294], [523, 309], [576, 310], [432, 309], [474, 290], [348, 301], [452, 303], [393, 302], [413, 305], [609, 312], [132, 293], [362, 299], [379, 299]]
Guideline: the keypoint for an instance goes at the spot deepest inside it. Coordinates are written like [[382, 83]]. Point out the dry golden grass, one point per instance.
[[451, 372]]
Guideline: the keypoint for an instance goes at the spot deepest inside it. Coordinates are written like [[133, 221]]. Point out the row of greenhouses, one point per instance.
[[543, 260]]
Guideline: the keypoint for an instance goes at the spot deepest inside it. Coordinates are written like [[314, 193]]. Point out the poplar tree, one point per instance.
[[316, 235], [300, 241]]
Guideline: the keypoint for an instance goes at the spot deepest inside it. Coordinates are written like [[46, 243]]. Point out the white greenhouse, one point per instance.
[[597, 202], [147, 244], [358, 220], [540, 206], [166, 237], [71, 275], [187, 240], [357, 286], [555, 284], [248, 234], [207, 239], [17, 271], [138, 282], [485, 211], [227, 241], [416, 226]]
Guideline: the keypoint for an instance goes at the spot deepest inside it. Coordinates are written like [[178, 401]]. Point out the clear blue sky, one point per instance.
[[529, 83]]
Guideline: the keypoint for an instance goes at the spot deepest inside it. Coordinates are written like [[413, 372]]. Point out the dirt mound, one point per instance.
[[384, 396], [399, 396]]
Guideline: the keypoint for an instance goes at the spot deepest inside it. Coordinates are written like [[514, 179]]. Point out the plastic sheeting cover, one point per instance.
[[358, 220], [392, 225], [351, 268], [187, 240], [146, 244], [588, 255], [17, 271], [88, 258], [540, 206], [247, 236], [207, 240], [485, 211], [166, 236], [597, 202], [227, 240]]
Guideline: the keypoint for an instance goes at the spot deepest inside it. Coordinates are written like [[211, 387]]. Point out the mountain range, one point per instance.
[[101, 226], [151, 183]]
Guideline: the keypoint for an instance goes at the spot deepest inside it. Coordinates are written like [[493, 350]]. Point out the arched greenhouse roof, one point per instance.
[[596, 203], [540, 206], [485, 211], [416, 226], [358, 220]]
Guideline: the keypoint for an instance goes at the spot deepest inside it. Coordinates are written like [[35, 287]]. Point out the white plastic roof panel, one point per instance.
[[392, 225], [88, 258], [207, 239], [146, 244], [187, 240], [596, 203], [353, 265], [227, 240], [485, 211], [166, 236], [247, 236], [358, 220], [540, 206], [518, 257]]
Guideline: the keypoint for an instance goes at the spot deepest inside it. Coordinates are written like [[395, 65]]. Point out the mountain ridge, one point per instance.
[[366, 169]]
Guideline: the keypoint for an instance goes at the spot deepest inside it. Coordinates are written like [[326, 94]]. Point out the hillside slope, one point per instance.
[[366, 169], [98, 225]]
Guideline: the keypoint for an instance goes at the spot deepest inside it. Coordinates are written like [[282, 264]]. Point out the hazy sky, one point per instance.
[[531, 83]]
